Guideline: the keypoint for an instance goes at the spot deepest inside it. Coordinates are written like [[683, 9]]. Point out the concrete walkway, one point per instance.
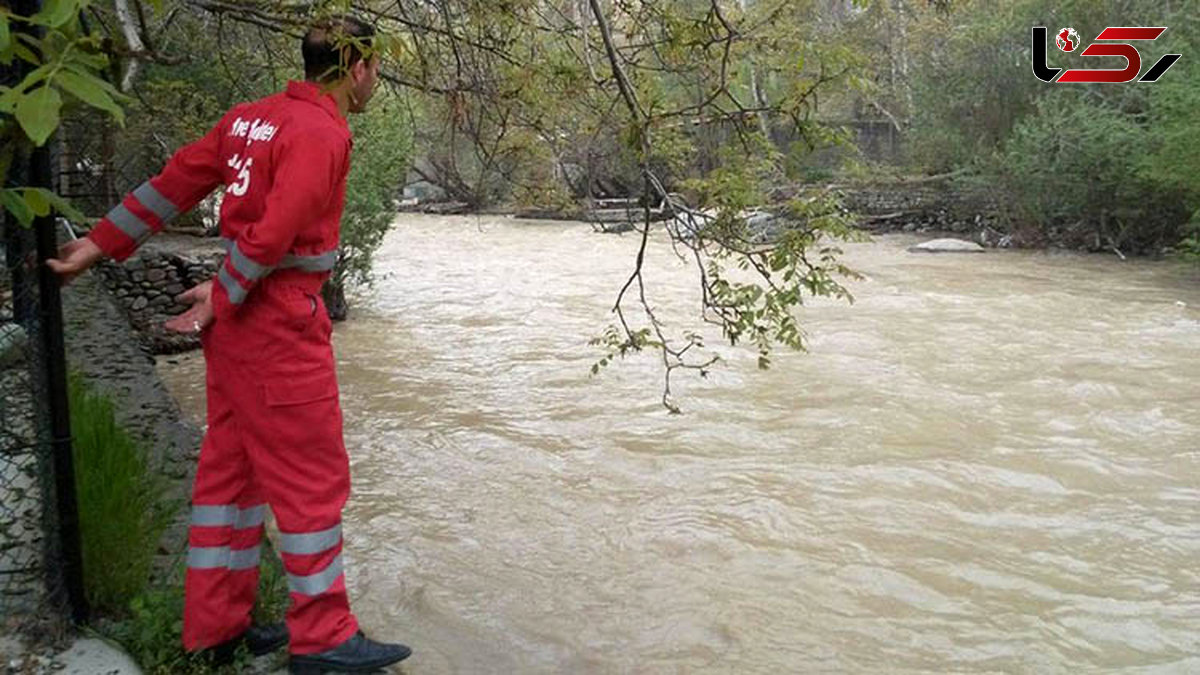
[[84, 656]]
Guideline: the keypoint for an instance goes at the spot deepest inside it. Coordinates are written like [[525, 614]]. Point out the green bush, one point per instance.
[[1189, 247], [1076, 167], [123, 509], [1098, 166], [1172, 159], [971, 82], [382, 150], [152, 631]]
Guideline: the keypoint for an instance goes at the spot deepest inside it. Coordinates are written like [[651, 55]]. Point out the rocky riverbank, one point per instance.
[[926, 206], [921, 204]]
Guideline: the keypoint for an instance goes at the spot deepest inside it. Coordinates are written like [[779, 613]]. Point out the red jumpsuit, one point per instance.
[[274, 423]]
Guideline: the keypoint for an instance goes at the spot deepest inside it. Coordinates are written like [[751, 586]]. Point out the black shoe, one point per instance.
[[259, 640], [359, 654]]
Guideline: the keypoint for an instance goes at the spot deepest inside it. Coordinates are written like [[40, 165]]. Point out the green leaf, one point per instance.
[[15, 205], [8, 100], [36, 75], [90, 90], [84, 69], [37, 112], [5, 38], [37, 202], [25, 53], [57, 12], [62, 206], [86, 59]]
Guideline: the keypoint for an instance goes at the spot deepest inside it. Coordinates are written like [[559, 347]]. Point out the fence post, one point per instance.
[[55, 355], [55, 372]]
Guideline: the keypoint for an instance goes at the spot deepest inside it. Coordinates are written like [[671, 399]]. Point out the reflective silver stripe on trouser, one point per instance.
[[213, 516], [316, 584], [249, 517], [227, 514], [224, 515], [214, 557], [310, 542], [322, 262], [158, 204]]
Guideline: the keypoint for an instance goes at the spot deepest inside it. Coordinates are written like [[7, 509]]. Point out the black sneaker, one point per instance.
[[359, 654], [259, 640]]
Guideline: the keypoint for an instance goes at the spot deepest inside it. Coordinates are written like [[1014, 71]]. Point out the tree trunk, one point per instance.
[[132, 38], [334, 295]]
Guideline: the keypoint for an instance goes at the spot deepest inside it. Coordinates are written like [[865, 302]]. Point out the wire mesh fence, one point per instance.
[[94, 167], [39, 577], [25, 509]]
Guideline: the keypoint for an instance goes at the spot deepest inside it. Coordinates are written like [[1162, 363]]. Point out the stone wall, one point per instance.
[[145, 286], [917, 206]]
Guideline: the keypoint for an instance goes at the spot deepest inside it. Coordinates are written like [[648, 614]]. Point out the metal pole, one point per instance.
[[55, 355], [55, 360]]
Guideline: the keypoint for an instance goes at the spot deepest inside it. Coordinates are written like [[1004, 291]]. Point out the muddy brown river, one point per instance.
[[987, 464]]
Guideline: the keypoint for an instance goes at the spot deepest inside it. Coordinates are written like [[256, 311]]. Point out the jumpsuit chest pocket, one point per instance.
[[301, 390]]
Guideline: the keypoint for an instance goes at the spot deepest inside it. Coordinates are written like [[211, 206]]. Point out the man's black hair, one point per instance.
[[332, 46]]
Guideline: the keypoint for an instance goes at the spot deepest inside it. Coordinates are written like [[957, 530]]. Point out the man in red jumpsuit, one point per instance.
[[274, 423]]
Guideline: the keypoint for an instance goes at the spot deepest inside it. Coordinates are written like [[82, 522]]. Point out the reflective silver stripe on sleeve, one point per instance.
[[232, 288], [246, 267], [128, 223], [153, 200], [208, 557], [214, 516], [311, 542], [245, 558], [249, 517], [316, 584]]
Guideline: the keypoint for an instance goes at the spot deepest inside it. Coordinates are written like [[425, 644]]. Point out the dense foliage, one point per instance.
[[1102, 166]]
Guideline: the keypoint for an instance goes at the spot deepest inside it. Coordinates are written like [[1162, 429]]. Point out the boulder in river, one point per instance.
[[946, 246]]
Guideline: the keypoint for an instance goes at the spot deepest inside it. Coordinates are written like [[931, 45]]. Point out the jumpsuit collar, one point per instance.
[[311, 91]]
